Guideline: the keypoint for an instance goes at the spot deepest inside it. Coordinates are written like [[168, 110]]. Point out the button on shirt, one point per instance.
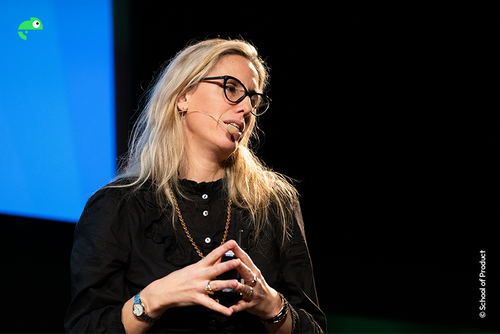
[[204, 213]]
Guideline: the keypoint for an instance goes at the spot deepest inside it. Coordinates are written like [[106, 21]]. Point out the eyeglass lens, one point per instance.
[[235, 92]]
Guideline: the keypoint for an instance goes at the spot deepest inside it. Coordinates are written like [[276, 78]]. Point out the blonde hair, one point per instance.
[[157, 144]]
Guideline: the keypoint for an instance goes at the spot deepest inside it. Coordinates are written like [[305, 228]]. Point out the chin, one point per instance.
[[228, 145]]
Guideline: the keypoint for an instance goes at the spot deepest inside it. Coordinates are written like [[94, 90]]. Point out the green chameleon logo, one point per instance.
[[32, 24]]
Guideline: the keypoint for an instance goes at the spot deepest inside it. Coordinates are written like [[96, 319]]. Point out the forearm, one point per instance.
[[283, 324]]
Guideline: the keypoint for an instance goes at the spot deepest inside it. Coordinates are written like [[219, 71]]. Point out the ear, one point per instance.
[[182, 102]]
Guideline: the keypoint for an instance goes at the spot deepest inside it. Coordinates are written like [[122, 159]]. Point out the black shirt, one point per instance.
[[124, 241]]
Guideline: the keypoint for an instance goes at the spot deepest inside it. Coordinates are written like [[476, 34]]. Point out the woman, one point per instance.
[[148, 248]]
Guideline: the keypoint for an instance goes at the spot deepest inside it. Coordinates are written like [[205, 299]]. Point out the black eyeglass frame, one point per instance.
[[247, 93]]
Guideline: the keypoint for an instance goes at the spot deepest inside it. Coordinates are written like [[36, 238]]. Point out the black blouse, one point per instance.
[[124, 241]]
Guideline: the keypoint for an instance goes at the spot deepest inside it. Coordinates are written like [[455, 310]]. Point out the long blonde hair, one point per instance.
[[157, 145]]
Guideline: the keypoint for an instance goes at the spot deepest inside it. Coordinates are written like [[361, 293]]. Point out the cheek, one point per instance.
[[207, 101], [200, 124], [216, 107]]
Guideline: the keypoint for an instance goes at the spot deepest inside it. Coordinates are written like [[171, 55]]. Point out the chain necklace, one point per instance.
[[228, 221]]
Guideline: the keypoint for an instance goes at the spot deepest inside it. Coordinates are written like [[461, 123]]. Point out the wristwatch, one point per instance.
[[140, 312]]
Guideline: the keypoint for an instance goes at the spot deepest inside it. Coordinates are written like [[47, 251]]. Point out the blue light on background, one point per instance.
[[57, 109]]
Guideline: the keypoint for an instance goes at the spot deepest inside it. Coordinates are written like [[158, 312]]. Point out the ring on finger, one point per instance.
[[251, 291], [253, 282], [208, 289]]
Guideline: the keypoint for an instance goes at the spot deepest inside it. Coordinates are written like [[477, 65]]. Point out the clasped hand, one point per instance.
[[187, 286]]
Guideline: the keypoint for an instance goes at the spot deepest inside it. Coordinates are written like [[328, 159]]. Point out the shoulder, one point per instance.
[[118, 213], [120, 200], [123, 190]]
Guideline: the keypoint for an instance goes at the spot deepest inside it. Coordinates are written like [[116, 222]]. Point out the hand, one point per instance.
[[258, 297], [186, 287]]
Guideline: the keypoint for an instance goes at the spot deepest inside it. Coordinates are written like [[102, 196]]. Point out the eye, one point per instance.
[[234, 90], [36, 24], [230, 88]]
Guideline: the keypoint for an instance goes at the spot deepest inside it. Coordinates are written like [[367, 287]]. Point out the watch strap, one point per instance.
[[144, 316]]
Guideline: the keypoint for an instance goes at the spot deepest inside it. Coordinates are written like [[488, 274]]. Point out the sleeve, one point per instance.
[[298, 284], [99, 259]]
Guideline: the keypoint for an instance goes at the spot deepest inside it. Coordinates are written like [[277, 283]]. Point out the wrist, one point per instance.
[[279, 315], [140, 311], [153, 308]]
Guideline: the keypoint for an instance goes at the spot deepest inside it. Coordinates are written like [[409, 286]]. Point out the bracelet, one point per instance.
[[281, 314]]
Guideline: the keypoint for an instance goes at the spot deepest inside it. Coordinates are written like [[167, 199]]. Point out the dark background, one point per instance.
[[382, 113]]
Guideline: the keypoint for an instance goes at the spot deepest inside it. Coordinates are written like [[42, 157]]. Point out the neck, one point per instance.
[[201, 169]]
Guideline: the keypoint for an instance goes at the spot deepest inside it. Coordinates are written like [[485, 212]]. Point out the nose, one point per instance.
[[244, 106]]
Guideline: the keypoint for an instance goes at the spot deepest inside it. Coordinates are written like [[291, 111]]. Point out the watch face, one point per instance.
[[138, 309]]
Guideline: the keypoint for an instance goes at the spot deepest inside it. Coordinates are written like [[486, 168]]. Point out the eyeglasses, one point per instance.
[[235, 92]]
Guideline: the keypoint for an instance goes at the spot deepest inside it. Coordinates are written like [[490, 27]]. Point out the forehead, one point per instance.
[[238, 67]]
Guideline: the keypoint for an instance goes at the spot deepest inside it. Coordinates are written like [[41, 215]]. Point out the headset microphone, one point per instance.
[[231, 129], [228, 127]]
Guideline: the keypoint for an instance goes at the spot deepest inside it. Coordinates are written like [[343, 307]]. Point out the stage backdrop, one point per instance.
[[57, 115]]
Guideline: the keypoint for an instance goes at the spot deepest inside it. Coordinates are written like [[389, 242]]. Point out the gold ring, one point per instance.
[[208, 289]]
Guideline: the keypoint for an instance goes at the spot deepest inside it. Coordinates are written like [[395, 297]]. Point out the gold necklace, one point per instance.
[[228, 221]]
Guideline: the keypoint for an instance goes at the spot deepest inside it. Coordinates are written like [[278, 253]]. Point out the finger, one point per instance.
[[246, 273], [222, 267], [220, 285], [214, 256], [246, 291], [243, 256], [213, 305], [207, 301], [240, 306], [253, 281]]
